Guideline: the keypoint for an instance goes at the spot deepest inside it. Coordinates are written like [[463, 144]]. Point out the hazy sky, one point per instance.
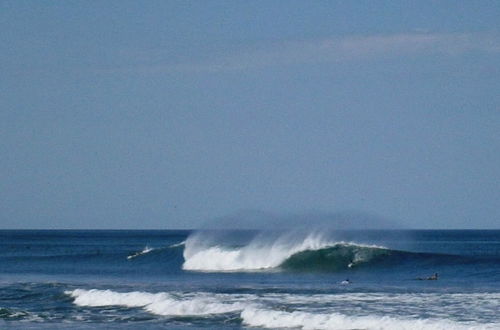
[[163, 114]]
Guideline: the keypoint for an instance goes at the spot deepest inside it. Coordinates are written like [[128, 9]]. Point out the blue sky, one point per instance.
[[166, 114]]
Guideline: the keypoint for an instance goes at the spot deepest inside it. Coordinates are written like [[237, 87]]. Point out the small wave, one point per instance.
[[16, 315], [266, 318], [302, 312], [156, 303], [144, 251]]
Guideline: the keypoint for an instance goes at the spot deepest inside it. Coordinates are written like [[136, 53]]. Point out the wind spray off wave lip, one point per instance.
[[264, 253], [286, 243], [291, 252], [65, 283]]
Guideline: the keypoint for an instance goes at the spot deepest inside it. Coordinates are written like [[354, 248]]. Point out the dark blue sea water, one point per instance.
[[246, 279]]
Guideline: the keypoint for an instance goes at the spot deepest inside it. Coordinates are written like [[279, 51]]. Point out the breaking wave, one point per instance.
[[177, 245], [273, 319], [310, 252], [156, 303], [265, 311], [147, 249]]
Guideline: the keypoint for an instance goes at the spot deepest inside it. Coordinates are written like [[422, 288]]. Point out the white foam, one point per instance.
[[320, 311], [256, 255], [96, 298], [479, 307], [147, 249], [302, 320], [156, 303], [178, 244]]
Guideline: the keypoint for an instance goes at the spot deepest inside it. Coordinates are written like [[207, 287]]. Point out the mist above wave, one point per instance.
[[262, 220], [210, 251]]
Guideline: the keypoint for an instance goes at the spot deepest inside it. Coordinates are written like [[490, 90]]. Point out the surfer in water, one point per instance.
[[430, 278], [345, 282], [433, 277]]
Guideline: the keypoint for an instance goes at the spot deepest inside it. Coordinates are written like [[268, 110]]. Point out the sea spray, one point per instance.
[[106, 291], [204, 253]]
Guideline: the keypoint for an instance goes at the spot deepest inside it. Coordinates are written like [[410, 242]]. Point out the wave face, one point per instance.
[[285, 251], [312, 252], [339, 256]]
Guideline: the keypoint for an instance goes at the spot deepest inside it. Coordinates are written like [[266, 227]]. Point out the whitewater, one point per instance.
[[256, 310], [222, 279], [203, 254]]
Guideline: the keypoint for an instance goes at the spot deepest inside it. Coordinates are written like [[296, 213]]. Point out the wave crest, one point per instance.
[[286, 251], [340, 256], [156, 303], [267, 310], [147, 249]]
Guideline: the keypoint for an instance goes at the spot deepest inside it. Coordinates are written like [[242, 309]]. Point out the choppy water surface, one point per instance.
[[246, 279]]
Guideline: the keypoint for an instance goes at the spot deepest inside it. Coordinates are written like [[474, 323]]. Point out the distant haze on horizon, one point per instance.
[[167, 114]]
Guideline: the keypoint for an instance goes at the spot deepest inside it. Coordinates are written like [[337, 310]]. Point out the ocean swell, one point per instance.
[[311, 252]]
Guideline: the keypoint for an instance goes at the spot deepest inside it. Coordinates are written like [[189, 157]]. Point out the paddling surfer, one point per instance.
[[433, 277], [430, 278]]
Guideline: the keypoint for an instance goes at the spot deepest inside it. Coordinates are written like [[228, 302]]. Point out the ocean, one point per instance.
[[222, 279]]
